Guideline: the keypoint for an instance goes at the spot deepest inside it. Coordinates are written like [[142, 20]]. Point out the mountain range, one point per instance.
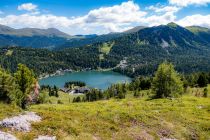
[[140, 49], [32, 37], [51, 38]]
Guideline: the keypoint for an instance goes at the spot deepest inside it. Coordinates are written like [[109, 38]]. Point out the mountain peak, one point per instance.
[[172, 24]]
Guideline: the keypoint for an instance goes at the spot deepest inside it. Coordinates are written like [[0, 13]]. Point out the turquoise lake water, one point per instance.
[[94, 79]]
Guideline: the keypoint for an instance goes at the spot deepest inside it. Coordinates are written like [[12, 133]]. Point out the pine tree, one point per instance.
[[167, 82]]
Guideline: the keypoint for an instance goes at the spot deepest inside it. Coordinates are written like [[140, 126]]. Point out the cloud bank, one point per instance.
[[107, 19], [189, 2]]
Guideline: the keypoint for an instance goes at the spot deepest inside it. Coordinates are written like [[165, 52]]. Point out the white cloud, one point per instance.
[[198, 20], [163, 9], [36, 21], [155, 20], [108, 19], [27, 7], [185, 3], [112, 18], [124, 13], [105, 19]]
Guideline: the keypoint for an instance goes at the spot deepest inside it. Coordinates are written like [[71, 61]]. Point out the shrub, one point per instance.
[[60, 102], [202, 80], [43, 98], [205, 92], [136, 94]]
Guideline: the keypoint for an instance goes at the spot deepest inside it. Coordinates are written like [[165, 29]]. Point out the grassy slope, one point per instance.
[[8, 110], [105, 49], [184, 118], [63, 97]]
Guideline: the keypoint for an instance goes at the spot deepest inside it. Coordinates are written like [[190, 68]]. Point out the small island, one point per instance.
[[75, 87]]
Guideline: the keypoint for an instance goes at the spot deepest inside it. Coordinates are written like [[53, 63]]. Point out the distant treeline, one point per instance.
[[74, 83], [140, 60]]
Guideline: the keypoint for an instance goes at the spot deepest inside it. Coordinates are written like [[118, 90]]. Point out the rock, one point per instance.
[[21, 122], [46, 138], [6, 136], [167, 139]]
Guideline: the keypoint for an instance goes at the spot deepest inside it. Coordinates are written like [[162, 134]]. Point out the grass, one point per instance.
[[187, 117], [8, 110], [9, 52], [106, 47], [195, 29], [63, 97]]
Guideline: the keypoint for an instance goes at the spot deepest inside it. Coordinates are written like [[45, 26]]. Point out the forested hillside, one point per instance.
[[141, 52], [46, 61], [145, 49]]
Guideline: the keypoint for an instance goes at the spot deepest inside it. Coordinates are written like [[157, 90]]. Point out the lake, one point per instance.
[[94, 79]]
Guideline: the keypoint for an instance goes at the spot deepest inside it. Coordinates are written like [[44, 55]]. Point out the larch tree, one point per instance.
[[25, 80], [167, 82]]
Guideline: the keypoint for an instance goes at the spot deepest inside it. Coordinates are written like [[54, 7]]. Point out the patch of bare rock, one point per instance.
[[21, 122], [6, 136], [46, 138]]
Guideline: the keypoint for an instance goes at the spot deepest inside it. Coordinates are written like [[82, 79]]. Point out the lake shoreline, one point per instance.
[[62, 72], [93, 78]]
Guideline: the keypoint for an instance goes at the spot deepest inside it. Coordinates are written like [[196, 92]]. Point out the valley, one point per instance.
[[143, 83]]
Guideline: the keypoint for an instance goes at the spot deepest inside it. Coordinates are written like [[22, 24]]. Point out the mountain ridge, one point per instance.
[[50, 32]]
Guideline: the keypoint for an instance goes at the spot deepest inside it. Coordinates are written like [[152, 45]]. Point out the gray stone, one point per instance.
[[6, 136], [46, 138], [21, 122]]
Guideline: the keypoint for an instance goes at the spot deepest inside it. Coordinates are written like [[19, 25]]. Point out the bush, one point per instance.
[[43, 98], [202, 80], [136, 94], [60, 102], [78, 99], [205, 92]]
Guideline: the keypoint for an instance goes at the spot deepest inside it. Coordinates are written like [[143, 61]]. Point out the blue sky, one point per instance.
[[102, 16]]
